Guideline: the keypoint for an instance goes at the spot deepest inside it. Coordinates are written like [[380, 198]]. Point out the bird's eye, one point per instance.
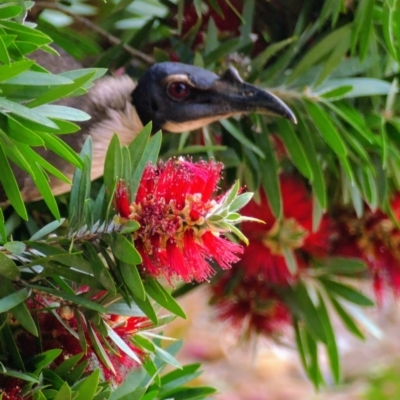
[[178, 90]]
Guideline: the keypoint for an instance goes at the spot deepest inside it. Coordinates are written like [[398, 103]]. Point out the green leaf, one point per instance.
[[229, 46], [309, 312], [167, 357], [120, 343], [100, 272], [4, 56], [346, 318], [55, 381], [26, 33], [146, 306], [47, 229], [17, 374], [59, 147], [133, 381], [132, 279], [149, 155], [301, 345], [347, 292], [362, 26], [295, 148], [331, 345], [81, 186], [10, 186], [42, 183], [240, 201], [360, 86], [314, 372], [15, 247], [7, 303], [319, 186], [62, 91], [173, 381], [43, 360], [20, 311], [326, 128], [259, 62], [12, 348], [99, 349], [319, 51], [17, 153], [240, 137], [27, 113], [353, 117], [143, 342], [358, 314], [337, 55], [9, 11], [344, 266], [194, 393], [14, 69], [32, 78], [3, 233], [22, 133], [78, 299], [129, 227], [124, 249], [8, 268], [77, 372], [66, 366], [269, 172], [113, 165], [335, 93], [86, 389], [126, 309], [162, 297], [64, 393], [61, 112]]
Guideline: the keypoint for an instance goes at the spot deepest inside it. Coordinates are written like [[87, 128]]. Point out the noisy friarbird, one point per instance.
[[175, 97]]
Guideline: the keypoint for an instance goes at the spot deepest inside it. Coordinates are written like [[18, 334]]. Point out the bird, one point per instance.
[[175, 97]]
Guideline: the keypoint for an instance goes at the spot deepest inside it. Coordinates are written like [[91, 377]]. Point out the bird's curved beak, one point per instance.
[[236, 96]]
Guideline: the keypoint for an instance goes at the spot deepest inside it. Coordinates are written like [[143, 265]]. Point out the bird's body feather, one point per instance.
[[109, 105]]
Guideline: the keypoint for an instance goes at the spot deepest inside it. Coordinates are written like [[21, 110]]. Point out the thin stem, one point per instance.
[[111, 38]]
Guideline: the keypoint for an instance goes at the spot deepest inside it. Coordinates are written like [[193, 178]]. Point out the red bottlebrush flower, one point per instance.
[[11, 388], [249, 305], [57, 335], [172, 204], [121, 200], [375, 238], [269, 243]]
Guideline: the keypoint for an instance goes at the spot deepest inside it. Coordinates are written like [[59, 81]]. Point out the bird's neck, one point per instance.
[[120, 117]]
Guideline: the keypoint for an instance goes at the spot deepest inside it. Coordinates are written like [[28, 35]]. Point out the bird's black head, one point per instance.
[[178, 97]]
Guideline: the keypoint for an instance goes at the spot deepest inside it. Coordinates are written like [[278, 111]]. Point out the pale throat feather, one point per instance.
[[113, 95], [112, 112]]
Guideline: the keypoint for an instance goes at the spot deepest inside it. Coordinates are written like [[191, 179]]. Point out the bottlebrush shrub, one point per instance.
[[373, 237], [82, 309], [291, 275]]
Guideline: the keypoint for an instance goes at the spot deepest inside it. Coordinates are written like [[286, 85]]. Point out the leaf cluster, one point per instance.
[[52, 271]]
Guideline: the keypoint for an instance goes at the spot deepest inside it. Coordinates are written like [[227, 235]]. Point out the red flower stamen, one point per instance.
[[265, 256], [249, 305], [171, 206]]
